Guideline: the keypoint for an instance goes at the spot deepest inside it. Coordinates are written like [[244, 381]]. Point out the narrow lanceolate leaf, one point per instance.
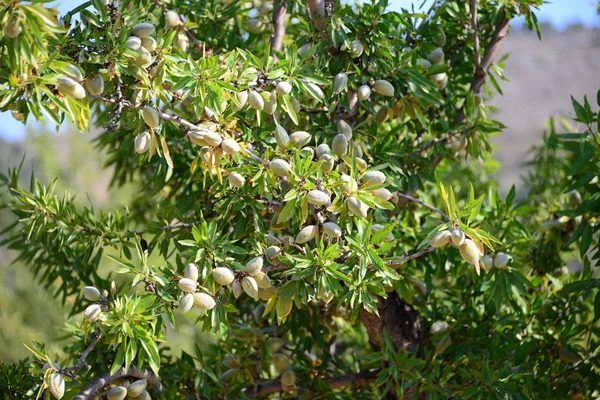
[[165, 148]]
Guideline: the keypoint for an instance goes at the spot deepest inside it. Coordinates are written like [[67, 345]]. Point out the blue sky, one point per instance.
[[560, 13]]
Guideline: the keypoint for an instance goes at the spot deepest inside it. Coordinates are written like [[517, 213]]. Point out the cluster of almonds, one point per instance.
[[190, 298], [253, 281], [282, 168], [135, 390], [264, 101], [142, 43], [70, 83], [93, 312], [173, 21], [257, 25], [56, 383], [468, 249]]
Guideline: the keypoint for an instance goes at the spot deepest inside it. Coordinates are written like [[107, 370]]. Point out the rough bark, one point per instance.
[[401, 321]]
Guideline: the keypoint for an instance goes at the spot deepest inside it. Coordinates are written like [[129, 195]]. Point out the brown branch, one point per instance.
[[175, 119], [432, 208], [395, 263], [274, 268], [491, 51], [335, 382], [72, 372], [279, 11], [478, 71], [107, 378]]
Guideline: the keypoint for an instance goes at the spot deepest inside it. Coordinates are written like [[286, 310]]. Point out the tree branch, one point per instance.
[[395, 263], [107, 378], [279, 11], [335, 382], [478, 71], [491, 51], [432, 208], [74, 370]]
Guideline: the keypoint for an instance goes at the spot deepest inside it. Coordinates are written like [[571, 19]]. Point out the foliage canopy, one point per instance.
[[298, 164]]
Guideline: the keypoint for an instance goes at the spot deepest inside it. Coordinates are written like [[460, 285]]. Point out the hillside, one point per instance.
[[542, 76]]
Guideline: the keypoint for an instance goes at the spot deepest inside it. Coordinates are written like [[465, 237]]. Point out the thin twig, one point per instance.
[[474, 28], [432, 208], [335, 382], [74, 370], [394, 263], [279, 11], [107, 378], [274, 268]]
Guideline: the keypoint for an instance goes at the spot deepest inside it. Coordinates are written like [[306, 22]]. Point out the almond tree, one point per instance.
[[310, 193]]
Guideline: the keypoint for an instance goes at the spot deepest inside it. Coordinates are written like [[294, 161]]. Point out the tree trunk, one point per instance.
[[402, 324]]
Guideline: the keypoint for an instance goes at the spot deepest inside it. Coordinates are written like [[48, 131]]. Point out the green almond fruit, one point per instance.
[[149, 43], [94, 85], [340, 83], [568, 355], [266, 293], [57, 385], [357, 207], [364, 92], [250, 286], [186, 303], [172, 19], [436, 56], [142, 30], [281, 362], [236, 180], [69, 87], [254, 266], [340, 145], [457, 237], [187, 285], [150, 116], [12, 28], [288, 378], [275, 344], [383, 87], [283, 88], [256, 101], [142, 142], [91, 293], [136, 388], [92, 313], [204, 301], [500, 260], [372, 178], [306, 234], [117, 393], [442, 238], [280, 167], [332, 229], [300, 139], [223, 275], [469, 251], [318, 197]]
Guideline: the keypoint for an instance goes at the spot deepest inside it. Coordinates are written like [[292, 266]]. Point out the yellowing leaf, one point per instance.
[[165, 149]]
